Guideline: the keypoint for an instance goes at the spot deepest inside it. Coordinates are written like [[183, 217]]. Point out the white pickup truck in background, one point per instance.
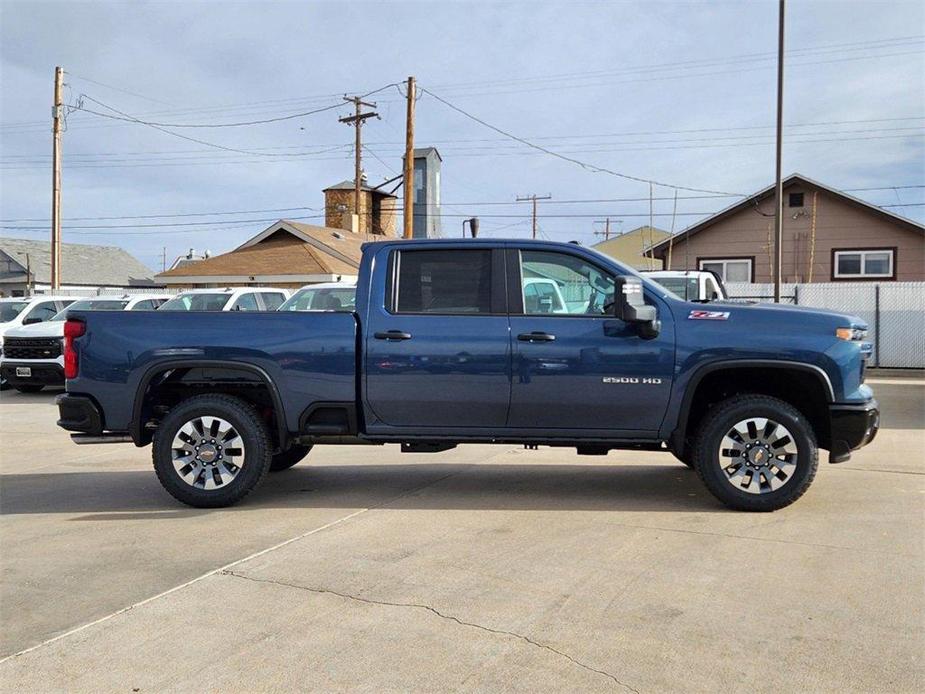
[[690, 285], [32, 356]]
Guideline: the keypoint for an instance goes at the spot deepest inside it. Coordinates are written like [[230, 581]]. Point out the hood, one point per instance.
[[44, 329], [783, 316]]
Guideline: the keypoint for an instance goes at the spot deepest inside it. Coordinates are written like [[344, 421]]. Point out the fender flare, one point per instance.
[[679, 433], [171, 364]]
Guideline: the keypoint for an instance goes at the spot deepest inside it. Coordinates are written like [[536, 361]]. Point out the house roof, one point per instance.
[[81, 264], [283, 248], [348, 185], [768, 192]]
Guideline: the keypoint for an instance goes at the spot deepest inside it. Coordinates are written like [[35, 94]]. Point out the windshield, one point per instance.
[[92, 305], [330, 299], [10, 309], [196, 302], [686, 288]]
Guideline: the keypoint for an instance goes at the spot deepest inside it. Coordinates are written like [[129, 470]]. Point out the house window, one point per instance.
[[795, 200], [728, 269], [863, 263]]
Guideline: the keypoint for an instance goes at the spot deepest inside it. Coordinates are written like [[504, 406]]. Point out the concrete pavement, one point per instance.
[[479, 568]]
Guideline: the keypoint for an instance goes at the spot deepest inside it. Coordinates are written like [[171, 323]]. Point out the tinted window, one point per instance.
[[455, 281], [683, 287], [557, 283], [10, 309], [91, 305], [329, 299], [246, 302], [145, 305], [196, 302], [272, 300]]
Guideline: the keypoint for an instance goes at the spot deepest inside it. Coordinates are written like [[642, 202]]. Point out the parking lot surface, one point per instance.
[[484, 567]]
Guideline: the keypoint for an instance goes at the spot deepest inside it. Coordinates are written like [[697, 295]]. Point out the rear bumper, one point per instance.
[[79, 413], [851, 427], [43, 373]]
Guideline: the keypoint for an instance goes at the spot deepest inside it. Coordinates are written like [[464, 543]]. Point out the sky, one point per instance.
[[679, 93]]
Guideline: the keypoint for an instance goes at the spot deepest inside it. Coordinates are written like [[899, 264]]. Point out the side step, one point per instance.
[[425, 447], [101, 438]]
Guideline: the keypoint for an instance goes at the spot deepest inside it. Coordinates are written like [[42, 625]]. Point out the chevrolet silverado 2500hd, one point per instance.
[[442, 348]]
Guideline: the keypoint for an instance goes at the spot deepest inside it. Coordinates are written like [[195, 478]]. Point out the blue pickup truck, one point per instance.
[[478, 341]]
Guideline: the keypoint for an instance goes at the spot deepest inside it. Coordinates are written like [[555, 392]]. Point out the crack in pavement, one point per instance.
[[438, 613]]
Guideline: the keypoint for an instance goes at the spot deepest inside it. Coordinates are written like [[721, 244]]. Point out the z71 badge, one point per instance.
[[708, 315]]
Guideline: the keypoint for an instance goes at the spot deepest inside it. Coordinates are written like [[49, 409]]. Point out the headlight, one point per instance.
[[853, 334]]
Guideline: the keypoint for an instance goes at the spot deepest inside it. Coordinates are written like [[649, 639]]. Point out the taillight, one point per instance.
[[72, 329]]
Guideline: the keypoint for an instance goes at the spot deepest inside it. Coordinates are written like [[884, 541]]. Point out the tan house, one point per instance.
[[285, 254], [630, 248], [828, 236]]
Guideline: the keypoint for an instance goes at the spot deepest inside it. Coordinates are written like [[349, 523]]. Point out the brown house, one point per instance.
[[828, 236], [285, 254]]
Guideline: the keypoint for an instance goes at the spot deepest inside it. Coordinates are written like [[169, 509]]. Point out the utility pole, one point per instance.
[[164, 259], [57, 117], [778, 184], [534, 198], [408, 178], [356, 121], [606, 223]]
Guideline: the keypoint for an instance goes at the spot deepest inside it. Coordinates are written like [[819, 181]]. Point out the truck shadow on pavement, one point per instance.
[[137, 494]]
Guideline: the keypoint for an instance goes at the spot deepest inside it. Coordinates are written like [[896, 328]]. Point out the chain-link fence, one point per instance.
[[895, 312]]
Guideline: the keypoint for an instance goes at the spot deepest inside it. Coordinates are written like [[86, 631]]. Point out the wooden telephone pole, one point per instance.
[[408, 176], [606, 223], [778, 183], [534, 198], [356, 121], [57, 118]]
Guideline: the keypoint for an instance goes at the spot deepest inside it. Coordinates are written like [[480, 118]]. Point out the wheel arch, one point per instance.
[[138, 431], [743, 375]]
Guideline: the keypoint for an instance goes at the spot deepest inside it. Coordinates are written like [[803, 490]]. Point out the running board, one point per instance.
[[101, 438]]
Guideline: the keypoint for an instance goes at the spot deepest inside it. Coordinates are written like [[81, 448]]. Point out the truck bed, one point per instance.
[[309, 357]]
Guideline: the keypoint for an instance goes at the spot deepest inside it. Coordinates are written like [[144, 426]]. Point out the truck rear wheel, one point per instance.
[[289, 457], [211, 451], [756, 453]]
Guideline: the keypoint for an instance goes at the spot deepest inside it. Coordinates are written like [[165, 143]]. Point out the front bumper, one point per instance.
[[851, 427], [43, 373]]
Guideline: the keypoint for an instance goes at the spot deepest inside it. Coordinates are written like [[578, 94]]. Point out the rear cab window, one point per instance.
[[452, 281]]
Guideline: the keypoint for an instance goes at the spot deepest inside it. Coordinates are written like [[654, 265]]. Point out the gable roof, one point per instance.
[[768, 192], [283, 248], [81, 264]]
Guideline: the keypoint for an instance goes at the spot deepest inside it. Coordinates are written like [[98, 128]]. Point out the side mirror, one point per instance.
[[630, 307], [31, 320]]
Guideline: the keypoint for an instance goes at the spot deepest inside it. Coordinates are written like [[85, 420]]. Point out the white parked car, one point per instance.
[[328, 296], [18, 311], [690, 285], [228, 299], [32, 357]]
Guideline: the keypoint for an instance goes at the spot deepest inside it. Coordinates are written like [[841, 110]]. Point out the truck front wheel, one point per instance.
[[289, 457], [211, 451], [756, 453]]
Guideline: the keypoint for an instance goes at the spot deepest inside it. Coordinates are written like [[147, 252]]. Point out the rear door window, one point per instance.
[[272, 300], [443, 282], [246, 302]]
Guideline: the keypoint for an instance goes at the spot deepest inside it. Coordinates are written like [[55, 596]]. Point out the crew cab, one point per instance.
[[32, 357], [19, 311], [442, 349], [228, 299]]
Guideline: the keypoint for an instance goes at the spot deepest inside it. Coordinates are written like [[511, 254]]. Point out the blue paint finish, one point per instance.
[[468, 375], [309, 357]]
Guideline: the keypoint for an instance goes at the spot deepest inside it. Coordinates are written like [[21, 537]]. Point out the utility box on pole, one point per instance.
[[427, 220]]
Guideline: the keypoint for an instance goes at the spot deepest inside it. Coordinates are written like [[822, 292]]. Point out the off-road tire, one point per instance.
[[250, 427], [29, 388], [721, 418], [288, 458]]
